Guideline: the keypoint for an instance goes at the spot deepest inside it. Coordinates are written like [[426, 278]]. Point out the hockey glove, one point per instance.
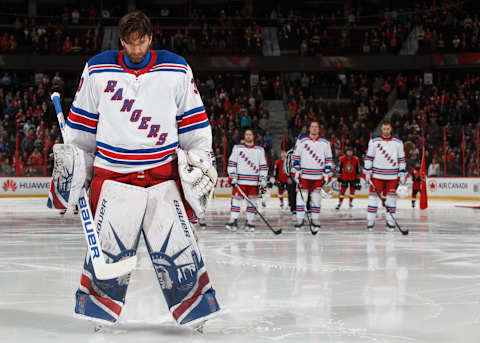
[[232, 181], [72, 170], [367, 178], [198, 177]]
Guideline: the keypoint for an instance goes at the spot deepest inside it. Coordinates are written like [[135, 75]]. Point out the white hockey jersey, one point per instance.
[[134, 119], [247, 164], [385, 158], [313, 156]]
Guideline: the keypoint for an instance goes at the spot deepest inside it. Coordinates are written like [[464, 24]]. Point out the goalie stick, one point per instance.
[[103, 270], [404, 232], [275, 231]]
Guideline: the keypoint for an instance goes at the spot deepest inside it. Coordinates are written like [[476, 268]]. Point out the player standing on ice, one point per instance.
[[348, 171], [312, 163], [417, 180], [384, 166], [138, 125], [280, 176], [247, 169]]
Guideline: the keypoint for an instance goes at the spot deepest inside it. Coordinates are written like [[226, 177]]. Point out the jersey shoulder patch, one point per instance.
[[165, 56], [106, 57]]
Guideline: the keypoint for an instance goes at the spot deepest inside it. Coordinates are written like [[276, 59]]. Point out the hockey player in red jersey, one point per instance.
[[281, 178], [415, 174], [138, 130], [348, 171]]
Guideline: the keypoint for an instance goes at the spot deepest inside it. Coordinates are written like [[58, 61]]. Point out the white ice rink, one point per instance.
[[343, 285]]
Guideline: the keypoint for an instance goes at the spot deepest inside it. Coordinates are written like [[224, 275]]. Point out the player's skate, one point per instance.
[[298, 225], [75, 210], [232, 226], [62, 212], [370, 226], [350, 204], [202, 222], [249, 227], [390, 227], [315, 228], [338, 206]]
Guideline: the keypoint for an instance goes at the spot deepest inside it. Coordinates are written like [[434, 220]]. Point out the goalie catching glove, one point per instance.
[[198, 177], [72, 170]]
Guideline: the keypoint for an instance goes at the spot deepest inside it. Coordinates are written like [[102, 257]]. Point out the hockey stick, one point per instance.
[[404, 232], [103, 270], [306, 210], [275, 231]]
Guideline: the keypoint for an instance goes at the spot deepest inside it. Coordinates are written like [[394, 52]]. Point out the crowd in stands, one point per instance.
[[28, 126], [232, 105], [80, 31], [345, 31], [454, 28], [447, 107]]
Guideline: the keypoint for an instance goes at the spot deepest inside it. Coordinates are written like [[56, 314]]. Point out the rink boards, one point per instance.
[[445, 188]]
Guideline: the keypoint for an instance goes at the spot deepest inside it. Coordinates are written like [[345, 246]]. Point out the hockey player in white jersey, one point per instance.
[[312, 162], [247, 169], [384, 166], [138, 130]]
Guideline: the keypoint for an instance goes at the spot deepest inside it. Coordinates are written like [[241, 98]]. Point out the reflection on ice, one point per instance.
[[343, 285]]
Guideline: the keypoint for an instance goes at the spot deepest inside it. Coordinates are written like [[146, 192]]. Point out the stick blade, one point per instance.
[[109, 271]]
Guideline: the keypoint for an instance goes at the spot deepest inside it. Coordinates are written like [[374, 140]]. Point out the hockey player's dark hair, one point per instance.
[[248, 129], [134, 22], [386, 122]]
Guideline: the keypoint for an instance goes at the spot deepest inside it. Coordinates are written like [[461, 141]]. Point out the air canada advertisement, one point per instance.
[[455, 188]]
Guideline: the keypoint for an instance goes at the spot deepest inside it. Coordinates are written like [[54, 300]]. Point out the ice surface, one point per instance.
[[343, 285]]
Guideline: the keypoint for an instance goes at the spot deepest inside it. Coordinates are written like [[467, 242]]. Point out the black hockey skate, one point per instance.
[[390, 227], [315, 228], [232, 226], [249, 227], [370, 226], [298, 226], [338, 206]]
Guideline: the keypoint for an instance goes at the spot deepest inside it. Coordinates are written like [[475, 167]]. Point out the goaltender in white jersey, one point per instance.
[[140, 114], [384, 166]]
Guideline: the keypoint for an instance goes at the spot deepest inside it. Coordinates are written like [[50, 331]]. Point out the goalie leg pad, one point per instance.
[[175, 256], [118, 220]]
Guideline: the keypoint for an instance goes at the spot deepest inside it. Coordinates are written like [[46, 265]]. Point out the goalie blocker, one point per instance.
[[124, 213]]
